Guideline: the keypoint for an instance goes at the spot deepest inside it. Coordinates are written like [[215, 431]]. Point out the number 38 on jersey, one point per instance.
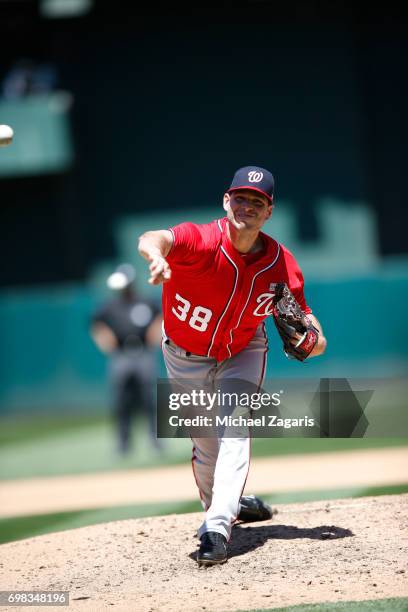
[[198, 319]]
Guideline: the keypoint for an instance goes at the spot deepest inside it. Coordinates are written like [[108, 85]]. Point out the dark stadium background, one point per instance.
[[169, 99]]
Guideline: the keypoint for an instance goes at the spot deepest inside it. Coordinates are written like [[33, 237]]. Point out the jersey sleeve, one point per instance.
[[296, 281], [188, 243]]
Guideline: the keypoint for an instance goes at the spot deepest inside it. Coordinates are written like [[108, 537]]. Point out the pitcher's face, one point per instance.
[[247, 209]]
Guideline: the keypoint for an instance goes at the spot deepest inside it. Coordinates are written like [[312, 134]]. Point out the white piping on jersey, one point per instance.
[[249, 296], [165, 336], [219, 225], [229, 301], [265, 363]]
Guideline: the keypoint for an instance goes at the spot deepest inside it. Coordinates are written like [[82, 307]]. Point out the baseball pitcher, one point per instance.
[[220, 282]]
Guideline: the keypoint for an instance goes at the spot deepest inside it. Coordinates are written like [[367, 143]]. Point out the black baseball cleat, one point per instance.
[[253, 509], [213, 549]]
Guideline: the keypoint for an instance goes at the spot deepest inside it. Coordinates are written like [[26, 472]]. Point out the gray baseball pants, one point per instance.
[[220, 464]]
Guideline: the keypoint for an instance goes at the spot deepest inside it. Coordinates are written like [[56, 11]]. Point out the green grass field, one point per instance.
[[395, 604], [28, 526], [50, 446]]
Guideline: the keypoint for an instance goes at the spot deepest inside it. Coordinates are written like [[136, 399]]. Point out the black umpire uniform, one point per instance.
[[127, 328]]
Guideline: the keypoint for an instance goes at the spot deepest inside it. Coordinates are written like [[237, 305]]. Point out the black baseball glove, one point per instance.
[[290, 320]]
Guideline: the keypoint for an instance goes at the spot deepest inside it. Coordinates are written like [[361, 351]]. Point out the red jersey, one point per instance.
[[215, 299]]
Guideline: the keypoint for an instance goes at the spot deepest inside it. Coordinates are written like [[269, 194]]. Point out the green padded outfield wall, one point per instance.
[[48, 362]]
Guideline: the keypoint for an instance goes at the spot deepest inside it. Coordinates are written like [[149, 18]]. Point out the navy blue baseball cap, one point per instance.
[[254, 177]]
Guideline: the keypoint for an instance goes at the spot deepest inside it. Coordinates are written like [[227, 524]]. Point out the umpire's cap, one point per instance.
[[254, 177], [122, 277]]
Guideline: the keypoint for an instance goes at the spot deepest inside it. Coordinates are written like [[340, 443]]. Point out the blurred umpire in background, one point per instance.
[[128, 328]]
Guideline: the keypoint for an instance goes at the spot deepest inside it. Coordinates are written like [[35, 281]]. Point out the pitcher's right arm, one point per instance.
[[154, 246]]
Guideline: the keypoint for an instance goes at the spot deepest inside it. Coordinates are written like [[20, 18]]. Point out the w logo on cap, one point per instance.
[[254, 176]]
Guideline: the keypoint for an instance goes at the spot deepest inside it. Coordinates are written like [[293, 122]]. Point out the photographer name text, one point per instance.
[[241, 421]]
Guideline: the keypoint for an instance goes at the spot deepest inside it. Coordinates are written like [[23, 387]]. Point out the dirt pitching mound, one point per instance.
[[308, 553]]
